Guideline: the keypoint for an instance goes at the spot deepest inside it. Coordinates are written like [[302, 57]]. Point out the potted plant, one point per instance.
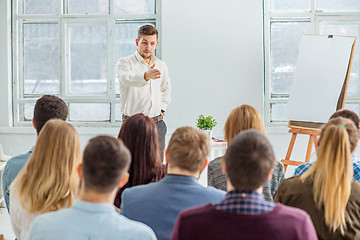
[[206, 124]]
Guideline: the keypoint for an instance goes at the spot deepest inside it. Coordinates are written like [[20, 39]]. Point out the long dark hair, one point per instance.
[[140, 136]]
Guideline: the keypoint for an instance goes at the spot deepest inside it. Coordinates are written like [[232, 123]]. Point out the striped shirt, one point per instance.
[[306, 166], [245, 202]]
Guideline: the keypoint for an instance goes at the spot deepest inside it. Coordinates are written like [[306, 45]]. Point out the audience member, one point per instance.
[[244, 214], [47, 107], [48, 180], [140, 136], [327, 191], [93, 216], [348, 114], [242, 118], [158, 204]]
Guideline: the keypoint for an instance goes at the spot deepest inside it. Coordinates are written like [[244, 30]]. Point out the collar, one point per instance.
[[172, 178], [254, 195], [141, 59], [32, 149], [93, 207]]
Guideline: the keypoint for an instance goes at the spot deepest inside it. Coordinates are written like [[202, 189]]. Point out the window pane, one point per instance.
[[41, 6], [125, 35], [88, 59], [338, 6], [135, 6], [88, 6], [278, 112], [285, 41], [353, 107], [89, 112], [41, 59], [346, 29], [286, 5], [28, 109]]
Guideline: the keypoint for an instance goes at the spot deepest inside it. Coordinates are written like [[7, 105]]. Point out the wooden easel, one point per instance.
[[313, 133], [311, 128]]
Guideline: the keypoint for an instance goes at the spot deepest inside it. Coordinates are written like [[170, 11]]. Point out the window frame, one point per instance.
[[315, 18], [64, 21]]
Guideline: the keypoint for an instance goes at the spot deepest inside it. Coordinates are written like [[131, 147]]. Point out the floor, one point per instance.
[[5, 225]]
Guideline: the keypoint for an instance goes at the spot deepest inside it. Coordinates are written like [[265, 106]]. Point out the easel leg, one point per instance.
[[291, 146], [309, 148]]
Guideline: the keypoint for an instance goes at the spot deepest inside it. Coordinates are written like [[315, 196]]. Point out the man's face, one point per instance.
[[147, 45]]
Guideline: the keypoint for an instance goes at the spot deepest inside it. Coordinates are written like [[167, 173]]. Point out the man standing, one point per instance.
[[144, 82], [245, 214], [158, 204], [47, 107], [105, 164]]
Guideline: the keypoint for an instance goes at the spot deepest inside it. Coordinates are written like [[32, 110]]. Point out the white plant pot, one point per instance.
[[208, 132]]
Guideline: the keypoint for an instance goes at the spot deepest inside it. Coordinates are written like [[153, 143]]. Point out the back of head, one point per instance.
[[248, 160], [242, 118], [140, 136], [348, 114], [105, 161], [51, 169], [333, 167], [147, 30], [188, 149], [49, 107]]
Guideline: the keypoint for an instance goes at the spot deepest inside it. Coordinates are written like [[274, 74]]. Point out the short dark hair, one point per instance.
[[147, 30], [105, 161], [345, 113], [248, 160], [49, 107]]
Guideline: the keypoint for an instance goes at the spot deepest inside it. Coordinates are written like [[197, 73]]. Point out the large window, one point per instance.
[[285, 22], [69, 48]]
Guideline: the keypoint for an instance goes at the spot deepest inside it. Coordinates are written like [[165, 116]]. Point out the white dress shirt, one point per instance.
[[138, 95]]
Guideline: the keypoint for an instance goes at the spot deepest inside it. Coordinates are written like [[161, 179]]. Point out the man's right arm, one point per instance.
[[127, 76]]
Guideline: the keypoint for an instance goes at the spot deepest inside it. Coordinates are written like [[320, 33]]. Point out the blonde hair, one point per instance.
[[188, 148], [48, 180], [332, 172], [242, 118]]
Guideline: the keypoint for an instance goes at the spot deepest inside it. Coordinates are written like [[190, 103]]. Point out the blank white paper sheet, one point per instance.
[[320, 73]]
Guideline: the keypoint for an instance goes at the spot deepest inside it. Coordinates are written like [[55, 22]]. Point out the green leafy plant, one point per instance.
[[205, 123]]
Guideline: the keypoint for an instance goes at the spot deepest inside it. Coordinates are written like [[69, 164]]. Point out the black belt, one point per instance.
[[155, 119]]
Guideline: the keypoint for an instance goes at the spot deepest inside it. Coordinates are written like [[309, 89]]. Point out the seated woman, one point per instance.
[[48, 180], [140, 136], [327, 191], [242, 118]]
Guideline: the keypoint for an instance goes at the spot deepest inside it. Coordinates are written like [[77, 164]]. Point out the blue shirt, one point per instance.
[[306, 166], [90, 221], [12, 168], [158, 204], [245, 202]]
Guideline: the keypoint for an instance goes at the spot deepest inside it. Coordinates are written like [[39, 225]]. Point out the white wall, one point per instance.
[[214, 52]]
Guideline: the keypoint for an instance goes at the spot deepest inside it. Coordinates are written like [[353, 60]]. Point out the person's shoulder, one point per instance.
[[216, 163], [290, 214], [18, 160], [142, 189], [355, 188], [303, 168], [135, 226], [215, 191], [197, 211]]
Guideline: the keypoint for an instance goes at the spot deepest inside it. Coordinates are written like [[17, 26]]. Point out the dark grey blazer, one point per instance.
[[217, 179]]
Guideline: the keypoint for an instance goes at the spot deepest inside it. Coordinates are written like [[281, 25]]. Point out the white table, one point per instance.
[[217, 149]]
